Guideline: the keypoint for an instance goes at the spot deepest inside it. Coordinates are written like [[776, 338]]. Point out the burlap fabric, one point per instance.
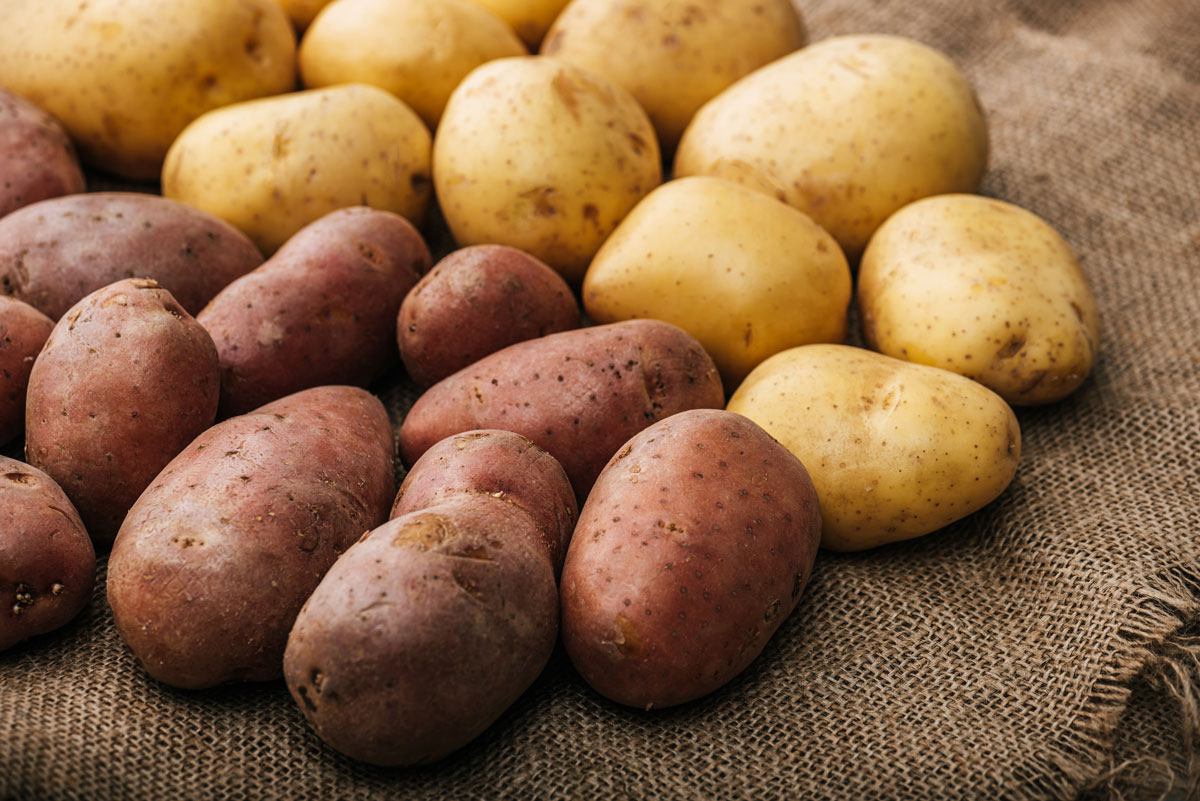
[[1040, 649]]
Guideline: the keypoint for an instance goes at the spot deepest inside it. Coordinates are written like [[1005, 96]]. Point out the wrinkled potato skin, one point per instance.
[[37, 159], [692, 549], [896, 450], [529, 18], [424, 632], [126, 76], [476, 301], [126, 380], [55, 253], [23, 331], [47, 564], [218, 555], [320, 311], [500, 465], [272, 166], [746, 275], [847, 130], [574, 155], [982, 288], [418, 50], [578, 395], [674, 56]]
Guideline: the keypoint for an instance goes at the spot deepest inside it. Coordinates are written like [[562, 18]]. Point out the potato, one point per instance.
[[218, 555], [125, 381], [847, 130], [674, 56], [37, 159], [746, 275], [320, 311], [274, 165], [577, 394], [302, 12], [47, 564], [896, 450], [23, 331], [692, 549], [982, 288], [55, 253], [574, 154], [432, 625], [529, 18], [418, 50], [125, 76], [476, 301]]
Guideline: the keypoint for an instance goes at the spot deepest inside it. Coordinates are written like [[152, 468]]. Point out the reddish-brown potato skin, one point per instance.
[[125, 381], [424, 632], [37, 159], [23, 331], [54, 253], [47, 564], [692, 549], [476, 301], [504, 466], [322, 310], [220, 552], [579, 395]]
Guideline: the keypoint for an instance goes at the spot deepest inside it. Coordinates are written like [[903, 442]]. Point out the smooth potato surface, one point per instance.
[[529, 18], [23, 331], [37, 159]]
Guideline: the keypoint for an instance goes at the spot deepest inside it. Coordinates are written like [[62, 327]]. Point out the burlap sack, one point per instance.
[[1037, 650]]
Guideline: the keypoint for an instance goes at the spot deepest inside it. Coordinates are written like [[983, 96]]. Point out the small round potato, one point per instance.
[[529, 18], [896, 450], [274, 165], [982, 288], [37, 159], [419, 50]]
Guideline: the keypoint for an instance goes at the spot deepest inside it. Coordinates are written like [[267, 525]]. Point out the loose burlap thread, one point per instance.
[[1048, 647]]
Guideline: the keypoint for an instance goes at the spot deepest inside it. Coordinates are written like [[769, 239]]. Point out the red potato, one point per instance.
[[322, 310], [47, 564], [37, 159], [23, 331], [693, 547]]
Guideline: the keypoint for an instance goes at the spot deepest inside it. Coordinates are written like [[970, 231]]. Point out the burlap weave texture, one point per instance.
[[1041, 649]]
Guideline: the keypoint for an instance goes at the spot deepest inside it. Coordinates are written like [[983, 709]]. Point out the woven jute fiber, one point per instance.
[[1045, 648]]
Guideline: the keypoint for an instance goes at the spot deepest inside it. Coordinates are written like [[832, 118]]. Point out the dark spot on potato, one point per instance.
[[1011, 348], [18, 478], [306, 700]]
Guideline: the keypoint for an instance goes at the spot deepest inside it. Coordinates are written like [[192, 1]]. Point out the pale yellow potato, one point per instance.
[[847, 130], [744, 274], [302, 12], [542, 156], [124, 77], [896, 450], [419, 50], [985, 289], [529, 18], [674, 55], [271, 166]]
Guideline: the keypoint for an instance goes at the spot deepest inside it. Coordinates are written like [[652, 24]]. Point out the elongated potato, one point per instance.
[[221, 551], [23, 331], [37, 159]]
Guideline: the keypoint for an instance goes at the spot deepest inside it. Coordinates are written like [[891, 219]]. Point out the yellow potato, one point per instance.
[[985, 289], [418, 50], [896, 450], [302, 12], [542, 156], [529, 18], [847, 130], [125, 76], [674, 55], [272, 166], [744, 274]]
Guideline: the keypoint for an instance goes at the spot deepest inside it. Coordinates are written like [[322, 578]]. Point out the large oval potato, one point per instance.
[[419, 50], [47, 563], [847, 130], [55, 253], [577, 394], [529, 18], [37, 159], [746, 275], [125, 381], [23, 332], [125, 76], [985, 289], [272, 166], [320, 311], [693, 547], [216, 558], [574, 154], [896, 450]]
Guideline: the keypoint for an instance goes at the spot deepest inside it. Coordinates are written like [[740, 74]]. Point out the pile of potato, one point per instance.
[[189, 371]]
